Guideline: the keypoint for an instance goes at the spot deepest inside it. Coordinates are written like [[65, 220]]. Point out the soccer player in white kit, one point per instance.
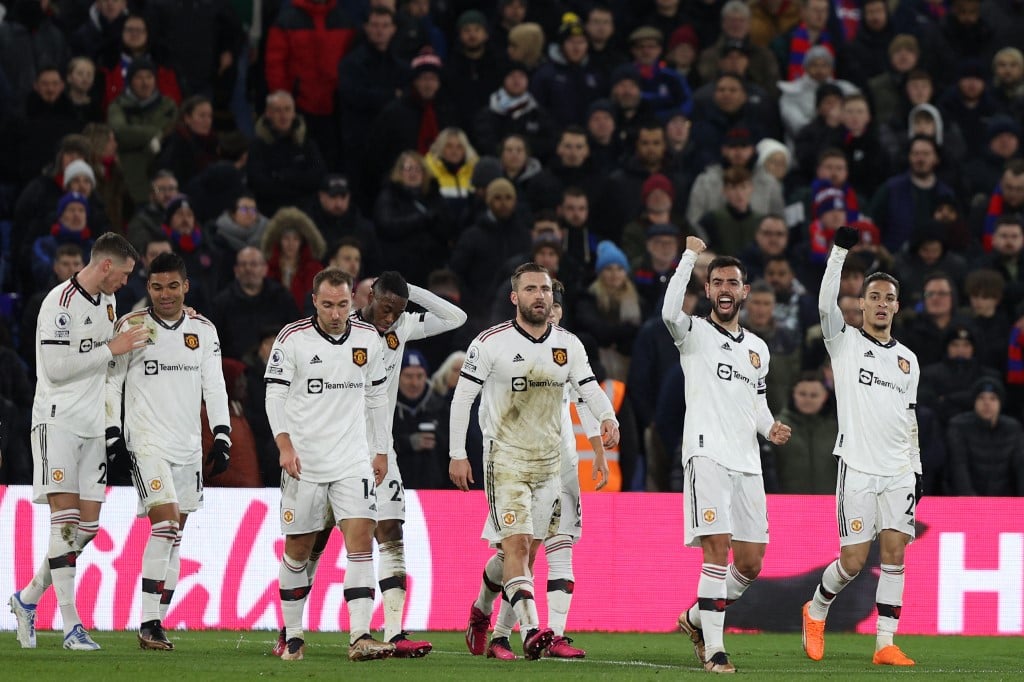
[[879, 479], [74, 342], [565, 530], [327, 408], [724, 501], [163, 386], [385, 310], [521, 366]]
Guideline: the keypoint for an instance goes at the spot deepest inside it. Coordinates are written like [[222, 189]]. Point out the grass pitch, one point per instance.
[[224, 655]]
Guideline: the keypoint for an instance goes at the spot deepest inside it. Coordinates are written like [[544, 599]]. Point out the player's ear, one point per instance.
[[746, 291], [184, 286], [513, 297]]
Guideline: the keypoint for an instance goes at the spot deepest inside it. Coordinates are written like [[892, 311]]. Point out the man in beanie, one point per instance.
[[567, 84], [79, 177], [986, 448], [420, 429], [969, 105], [189, 242], [658, 196], [654, 268], [512, 109], [71, 227], [947, 386], [474, 68]]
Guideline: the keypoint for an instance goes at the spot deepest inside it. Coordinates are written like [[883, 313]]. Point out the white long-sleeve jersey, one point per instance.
[[164, 384], [329, 396], [71, 356], [876, 388], [523, 383], [725, 375], [440, 317]]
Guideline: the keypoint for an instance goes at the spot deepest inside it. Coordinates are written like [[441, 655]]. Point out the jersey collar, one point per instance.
[[358, 314], [722, 330], [164, 324], [89, 297], [327, 337], [543, 337], [888, 344]]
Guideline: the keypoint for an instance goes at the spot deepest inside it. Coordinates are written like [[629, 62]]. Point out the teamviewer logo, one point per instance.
[[724, 371], [315, 386], [866, 377], [151, 368]]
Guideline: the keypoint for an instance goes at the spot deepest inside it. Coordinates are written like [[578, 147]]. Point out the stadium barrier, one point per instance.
[[965, 572]]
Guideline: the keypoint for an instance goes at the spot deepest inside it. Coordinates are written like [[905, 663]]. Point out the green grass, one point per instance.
[[223, 655]]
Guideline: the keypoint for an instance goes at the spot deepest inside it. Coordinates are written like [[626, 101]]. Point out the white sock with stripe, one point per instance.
[[155, 558], [711, 594], [294, 587], [359, 593], [833, 581], [889, 602]]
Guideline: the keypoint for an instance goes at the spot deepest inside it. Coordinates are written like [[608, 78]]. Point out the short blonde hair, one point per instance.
[[442, 139]]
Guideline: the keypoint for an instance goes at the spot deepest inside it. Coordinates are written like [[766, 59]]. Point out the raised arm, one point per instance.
[[832, 322], [672, 314], [441, 316]]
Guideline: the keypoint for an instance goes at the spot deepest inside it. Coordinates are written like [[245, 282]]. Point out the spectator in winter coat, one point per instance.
[[513, 109], [451, 161], [805, 465], [29, 39], [71, 227], [567, 84], [293, 248], [473, 69], [663, 88], [986, 448], [948, 386], [420, 426]]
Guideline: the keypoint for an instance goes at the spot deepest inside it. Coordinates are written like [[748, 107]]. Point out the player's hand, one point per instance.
[[289, 461], [599, 471], [846, 237], [133, 338], [780, 433], [191, 312], [219, 455], [461, 473], [380, 468], [609, 433], [117, 449], [695, 244], [918, 488]]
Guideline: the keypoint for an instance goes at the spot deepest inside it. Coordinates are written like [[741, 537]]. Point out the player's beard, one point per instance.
[[729, 316], [533, 316]]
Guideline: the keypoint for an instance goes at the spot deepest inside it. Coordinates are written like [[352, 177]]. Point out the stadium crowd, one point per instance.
[[453, 140]]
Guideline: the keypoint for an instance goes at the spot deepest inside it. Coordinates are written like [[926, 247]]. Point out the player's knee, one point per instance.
[[389, 530], [749, 567]]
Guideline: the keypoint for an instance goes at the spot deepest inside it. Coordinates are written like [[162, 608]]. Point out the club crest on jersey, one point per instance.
[[755, 360], [156, 485], [191, 341], [508, 518], [903, 363], [710, 515], [57, 475], [391, 339], [560, 356], [110, 312], [359, 356], [857, 525], [288, 516]]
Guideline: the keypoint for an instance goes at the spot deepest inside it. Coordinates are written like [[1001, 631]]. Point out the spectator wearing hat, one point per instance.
[[474, 69], [411, 220], [605, 52], [681, 52], [1008, 81], [737, 151], [969, 105], [791, 48], [305, 44], [420, 426], [886, 88], [658, 197], [487, 168], [611, 310], [601, 133], [927, 252], [731, 227], [482, 249], [567, 84], [653, 269], [293, 248], [962, 34], [988, 316], [337, 217], [140, 116], [926, 119], [134, 42], [947, 386], [986, 448], [798, 103], [199, 254], [770, 19], [629, 110], [526, 45], [661, 87], [411, 122], [983, 171], [71, 227], [513, 109], [451, 161], [867, 54], [284, 166], [735, 25], [370, 77], [777, 160]]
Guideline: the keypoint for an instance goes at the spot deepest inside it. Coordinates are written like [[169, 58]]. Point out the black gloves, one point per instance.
[[218, 454], [847, 237], [117, 449], [918, 488]]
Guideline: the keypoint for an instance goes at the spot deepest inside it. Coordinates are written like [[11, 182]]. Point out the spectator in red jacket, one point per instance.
[[293, 248]]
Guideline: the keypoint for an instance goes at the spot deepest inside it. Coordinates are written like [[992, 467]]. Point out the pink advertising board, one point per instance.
[[965, 572]]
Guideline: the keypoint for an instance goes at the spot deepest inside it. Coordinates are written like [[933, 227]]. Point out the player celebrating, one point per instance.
[[327, 408], [73, 347], [522, 366], [182, 359], [725, 504], [565, 530], [879, 479]]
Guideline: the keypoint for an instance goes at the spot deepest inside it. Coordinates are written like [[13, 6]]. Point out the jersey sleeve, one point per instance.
[[214, 390], [278, 378], [679, 323], [58, 360], [475, 370], [440, 316], [832, 323]]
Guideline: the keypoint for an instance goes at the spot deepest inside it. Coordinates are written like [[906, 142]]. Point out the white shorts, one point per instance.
[[391, 501], [304, 505], [158, 482], [517, 504], [64, 462], [867, 504], [720, 501], [567, 518]]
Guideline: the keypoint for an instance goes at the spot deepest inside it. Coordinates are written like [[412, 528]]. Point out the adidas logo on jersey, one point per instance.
[[518, 358], [869, 354], [316, 360], [88, 320], [726, 346]]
